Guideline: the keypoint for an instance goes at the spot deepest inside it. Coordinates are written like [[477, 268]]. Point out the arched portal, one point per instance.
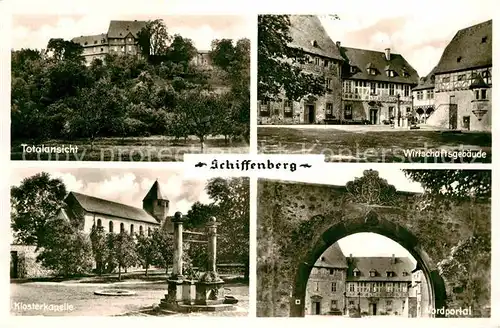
[[375, 224]]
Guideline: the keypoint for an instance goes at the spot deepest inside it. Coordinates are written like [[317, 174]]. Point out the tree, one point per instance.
[[124, 251], [153, 39], [146, 251], [99, 247], [201, 112], [279, 64], [65, 50], [181, 50], [33, 202], [231, 197], [66, 250], [454, 184], [198, 215], [101, 108], [164, 244]]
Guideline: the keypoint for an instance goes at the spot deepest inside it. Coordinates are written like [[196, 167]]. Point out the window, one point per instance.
[[334, 287], [446, 79], [388, 302], [122, 227], [351, 303], [391, 112], [391, 73], [373, 273], [404, 288], [408, 109], [110, 226], [372, 71], [149, 231], [131, 229], [102, 49], [389, 287], [329, 84], [329, 112], [483, 39], [352, 69], [373, 88], [331, 270], [334, 304], [420, 95], [288, 105], [391, 89], [430, 94], [405, 273], [351, 287], [406, 74], [348, 116], [123, 48], [481, 94], [390, 274], [141, 231], [99, 223], [316, 61], [356, 272], [459, 59], [326, 62], [129, 48], [347, 86], [406, 91], [316, 286], [264, 108]]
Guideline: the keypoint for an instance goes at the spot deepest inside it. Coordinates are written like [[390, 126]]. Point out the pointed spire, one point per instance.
[[155, 192]]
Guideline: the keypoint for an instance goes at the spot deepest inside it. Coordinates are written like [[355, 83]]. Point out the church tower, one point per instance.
[[155, 203]]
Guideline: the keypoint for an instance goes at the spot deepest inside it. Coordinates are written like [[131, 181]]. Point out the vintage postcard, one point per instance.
[[128, 242], [357, 87], [129, 87], [367, 243]]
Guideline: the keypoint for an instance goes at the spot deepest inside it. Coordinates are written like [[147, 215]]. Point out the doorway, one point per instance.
[[310, 114], [14, 264], [466, 123], [373, 115], [373, 308], [316, 307]]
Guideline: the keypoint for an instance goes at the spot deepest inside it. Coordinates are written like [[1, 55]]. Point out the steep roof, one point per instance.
[[332, 258], [120, 29], [102, 206], [154, 192], [426, 82], [470, 48], [381, 265], [90, 40], [308, 34], [362, 59]]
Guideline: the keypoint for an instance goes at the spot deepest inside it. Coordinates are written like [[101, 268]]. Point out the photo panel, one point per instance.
[[384, 243], [370, 87], [128, 242], [129, 87]]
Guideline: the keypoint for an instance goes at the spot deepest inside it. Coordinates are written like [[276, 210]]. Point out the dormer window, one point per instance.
[[406, 74], [356, 272], [86, 43], [314, 43], [459, 59], [352, 69], [391, 73], [372, 71], [483, 40], [373, 273], [405, 274], [390, 273]]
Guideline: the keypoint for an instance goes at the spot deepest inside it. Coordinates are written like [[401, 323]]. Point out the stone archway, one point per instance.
[[297, 222], [371, 222]]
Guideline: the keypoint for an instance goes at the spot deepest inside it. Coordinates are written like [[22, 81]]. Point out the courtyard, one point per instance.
[[367, 143], [79, 295]]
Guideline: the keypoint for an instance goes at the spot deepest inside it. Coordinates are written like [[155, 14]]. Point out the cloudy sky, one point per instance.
[[127, 186], [34, 31], [419, 30]]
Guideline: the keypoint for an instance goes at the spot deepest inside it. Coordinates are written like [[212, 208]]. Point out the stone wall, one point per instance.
[[27, 267], [297, 222]]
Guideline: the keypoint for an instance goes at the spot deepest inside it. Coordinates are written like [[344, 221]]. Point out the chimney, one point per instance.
[[393, 259], [388, 53], [338, 44]]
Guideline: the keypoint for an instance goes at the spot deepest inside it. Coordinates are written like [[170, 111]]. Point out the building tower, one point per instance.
[[155, 203]]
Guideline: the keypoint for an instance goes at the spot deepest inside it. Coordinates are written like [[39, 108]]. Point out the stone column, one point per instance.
[[177, 265], [212, 245]]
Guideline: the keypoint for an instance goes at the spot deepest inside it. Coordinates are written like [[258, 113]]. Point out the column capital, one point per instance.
[[178, 218]]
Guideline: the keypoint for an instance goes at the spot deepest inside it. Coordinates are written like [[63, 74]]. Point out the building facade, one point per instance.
[[423, 98], [361, 285], [463, 81], [324, 59], [420, 292], [363, 86], [87, 211], [120, 39]]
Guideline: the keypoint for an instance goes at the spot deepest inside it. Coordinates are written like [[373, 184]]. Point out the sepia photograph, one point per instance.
[[128, 242], [371, 87], [129, 88], [369, 243]]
